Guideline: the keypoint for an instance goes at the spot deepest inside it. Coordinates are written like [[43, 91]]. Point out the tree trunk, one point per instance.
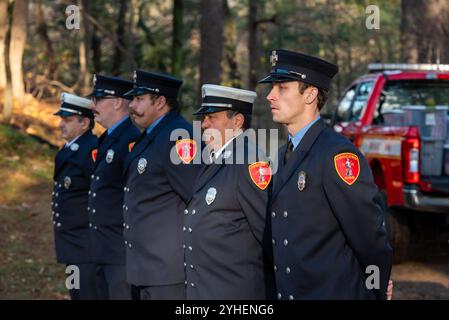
[[176, 54], [42, 30], [120, 34], [423, 31], [211, 30], [96, 51], [84, 47], [17, 46], [231, 74], [409, 50], [253, 50], [3, 29]]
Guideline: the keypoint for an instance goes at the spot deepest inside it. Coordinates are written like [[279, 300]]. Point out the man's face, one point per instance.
[[103, 110], [286, 102], [72, 127], [214, 127], [143, 110]]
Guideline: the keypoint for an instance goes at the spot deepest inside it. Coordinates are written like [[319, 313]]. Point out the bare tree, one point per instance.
[[211, 29], [120, 34], [84, 47], [42, 31], [176, 56], [424, 34], [3, 29], [252, 43], [17, 46]]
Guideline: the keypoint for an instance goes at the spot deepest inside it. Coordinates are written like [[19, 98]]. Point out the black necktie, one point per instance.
[[289, 151]]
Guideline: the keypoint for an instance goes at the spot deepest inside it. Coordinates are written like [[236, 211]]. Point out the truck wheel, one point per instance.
[[398, 227]]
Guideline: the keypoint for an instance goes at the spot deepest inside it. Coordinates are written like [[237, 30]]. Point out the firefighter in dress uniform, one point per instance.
[[111, 110], [224, 223], [328, 226], [73, 166], [159, 179]]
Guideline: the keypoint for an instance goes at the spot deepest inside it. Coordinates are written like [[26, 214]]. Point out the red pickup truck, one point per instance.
[[397, 115]]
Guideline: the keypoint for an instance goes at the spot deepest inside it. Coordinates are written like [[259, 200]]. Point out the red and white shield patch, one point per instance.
[[260, 173], [131, 146], [186, 149], [94, 154], [348, 167]]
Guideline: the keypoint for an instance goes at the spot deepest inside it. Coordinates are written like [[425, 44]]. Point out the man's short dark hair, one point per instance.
[[91, 122], [172, 103], [246, 118], [321, 97]]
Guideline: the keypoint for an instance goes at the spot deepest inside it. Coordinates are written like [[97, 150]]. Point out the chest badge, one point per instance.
[[142, 165], [67, 182], [302, 180], [227, 154], [210, 195], [74, 147], [110, 156]]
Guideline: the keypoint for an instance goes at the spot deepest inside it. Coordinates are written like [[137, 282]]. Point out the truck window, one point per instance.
[[344, 108], [399, 93], [363, 93], [354, 102]]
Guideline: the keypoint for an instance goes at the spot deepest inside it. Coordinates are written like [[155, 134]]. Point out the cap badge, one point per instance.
[[74, 147], [301, 180], [110, 156], [142, 165], [135, 76], [210, 195], [274, 58], [94, 80]]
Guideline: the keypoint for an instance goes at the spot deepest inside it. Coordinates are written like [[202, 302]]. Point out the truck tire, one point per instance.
[[398, 228]]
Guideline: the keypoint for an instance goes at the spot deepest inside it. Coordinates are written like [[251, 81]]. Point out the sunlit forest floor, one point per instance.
[[27, 261]]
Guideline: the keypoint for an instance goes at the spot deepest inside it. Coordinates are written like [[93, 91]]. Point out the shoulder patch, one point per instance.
[[131, 146], [94, 154], [347, 166], [260, 173], [186, 150]]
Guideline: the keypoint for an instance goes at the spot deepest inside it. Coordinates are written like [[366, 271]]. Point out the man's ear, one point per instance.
[[238, 121], [86, 123], [311, 94], [160, 102], [118, 103]]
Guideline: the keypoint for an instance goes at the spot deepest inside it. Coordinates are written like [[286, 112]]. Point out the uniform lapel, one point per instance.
[[145, 139], [280, 167], [298, 155], [106, 140], [66, 153]]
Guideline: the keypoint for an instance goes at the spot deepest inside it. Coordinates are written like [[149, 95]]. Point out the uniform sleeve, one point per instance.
[[254, 203], [359, 214], [181, 176]]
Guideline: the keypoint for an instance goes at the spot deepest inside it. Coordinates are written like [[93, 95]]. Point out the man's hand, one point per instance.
[[390, 290]]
